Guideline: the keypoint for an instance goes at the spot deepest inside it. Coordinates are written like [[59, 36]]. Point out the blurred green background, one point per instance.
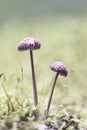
[[61, 27]]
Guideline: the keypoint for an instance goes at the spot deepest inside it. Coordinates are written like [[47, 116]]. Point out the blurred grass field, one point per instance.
[[62, 39]]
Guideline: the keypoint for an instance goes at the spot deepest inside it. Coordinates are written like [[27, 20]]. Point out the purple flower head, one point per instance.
[[60, 68], [29, 43]]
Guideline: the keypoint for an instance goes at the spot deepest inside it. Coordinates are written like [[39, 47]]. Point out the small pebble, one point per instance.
[[41, 127]]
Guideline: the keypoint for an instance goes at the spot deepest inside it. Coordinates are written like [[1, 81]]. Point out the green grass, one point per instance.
[[63, 39]]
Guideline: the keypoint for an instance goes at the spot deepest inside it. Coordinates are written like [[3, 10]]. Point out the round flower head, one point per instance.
[[29, 43], [60, 68]]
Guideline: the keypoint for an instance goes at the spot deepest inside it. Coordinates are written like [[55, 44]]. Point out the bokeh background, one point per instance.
[[61, 27]]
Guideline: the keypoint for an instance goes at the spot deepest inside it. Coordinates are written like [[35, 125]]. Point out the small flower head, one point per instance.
[[29, 43], [60, 68]]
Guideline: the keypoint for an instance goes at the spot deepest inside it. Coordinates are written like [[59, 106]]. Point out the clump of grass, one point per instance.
[[17, 113], [25, 117], [9, 103]]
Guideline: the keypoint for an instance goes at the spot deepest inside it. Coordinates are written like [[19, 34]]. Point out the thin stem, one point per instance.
[[33, 79], [9, 102], [22, 82], [51, 94], [22, 90]]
